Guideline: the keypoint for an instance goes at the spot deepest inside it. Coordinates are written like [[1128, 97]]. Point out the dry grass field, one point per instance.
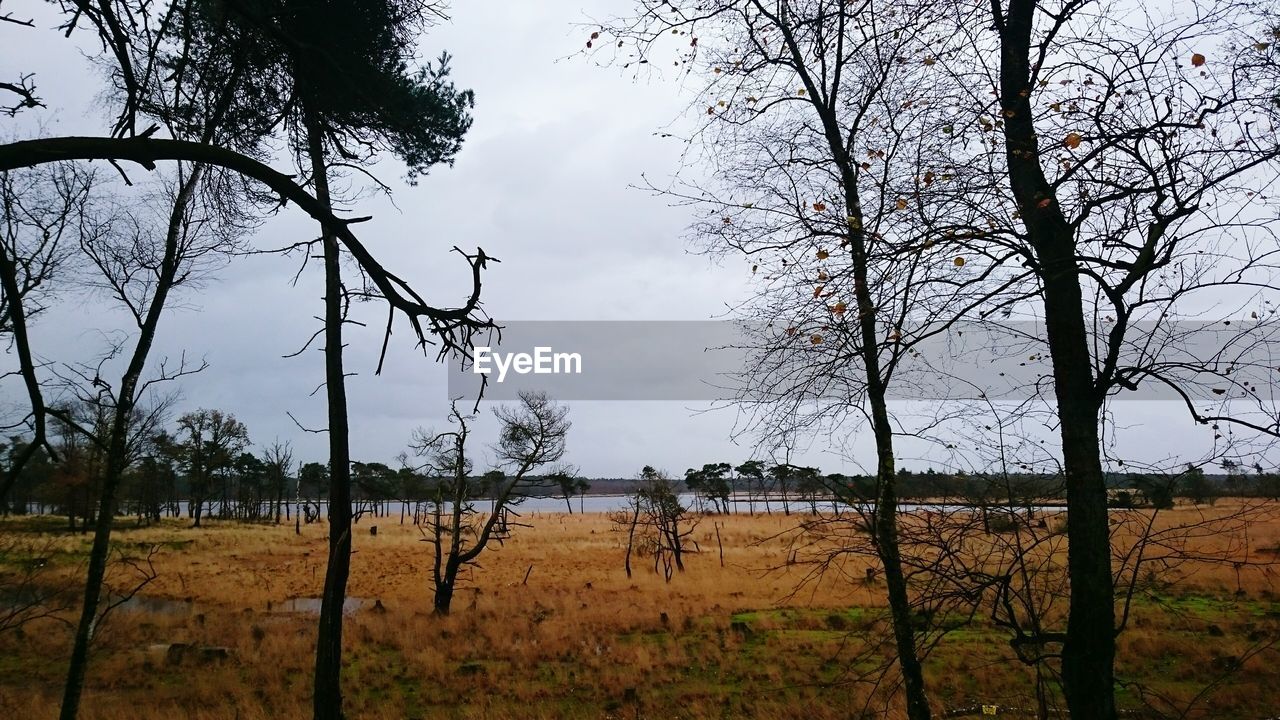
[[577, 638]]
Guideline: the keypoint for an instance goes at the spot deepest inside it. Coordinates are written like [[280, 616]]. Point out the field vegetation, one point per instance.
[[549, 625]]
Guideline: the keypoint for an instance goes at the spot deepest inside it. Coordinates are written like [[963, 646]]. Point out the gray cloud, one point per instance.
[[542, 183]]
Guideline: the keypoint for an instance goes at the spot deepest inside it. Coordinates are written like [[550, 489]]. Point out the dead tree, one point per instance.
[[656, 523], [532, 435], [39, 212], [825, 135]]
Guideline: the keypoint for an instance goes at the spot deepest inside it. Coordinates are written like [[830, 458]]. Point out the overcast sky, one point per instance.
[[542, 182]]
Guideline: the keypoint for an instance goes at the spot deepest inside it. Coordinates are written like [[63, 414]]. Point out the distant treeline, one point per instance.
[[203, 467], [718, 483]]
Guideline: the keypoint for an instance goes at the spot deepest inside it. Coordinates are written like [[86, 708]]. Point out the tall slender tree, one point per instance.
[[1140, 151], [828, 149], [346, 92]]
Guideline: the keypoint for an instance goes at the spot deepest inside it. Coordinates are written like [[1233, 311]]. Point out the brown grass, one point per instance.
[[580, 639]]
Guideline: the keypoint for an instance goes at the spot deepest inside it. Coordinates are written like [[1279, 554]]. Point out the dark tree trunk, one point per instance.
[[677, 545], [98, 556], [886, 513], [17, 322], [1088, 655], [443, 598], [117, 455], [327, 699], [631, 536]]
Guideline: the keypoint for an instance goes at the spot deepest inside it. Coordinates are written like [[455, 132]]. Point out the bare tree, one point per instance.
[[531, 436], [825, 138], [656, 524], [278, 458], [1139, 171], [139, 262], [40, 210]]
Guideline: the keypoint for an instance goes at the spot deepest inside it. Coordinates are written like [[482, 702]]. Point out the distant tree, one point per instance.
[[152, 484], [1196, 486], [712, 482], [751, 473], [277, 460], [249, 496], [313, 482], [783, 475], [30, 470], [373, 483], [210, 441], [809, 485], [1157, 490], [569, 485], [656, 523], [1267, 484]]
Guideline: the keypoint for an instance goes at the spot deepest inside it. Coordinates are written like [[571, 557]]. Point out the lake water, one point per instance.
[[610, 503]]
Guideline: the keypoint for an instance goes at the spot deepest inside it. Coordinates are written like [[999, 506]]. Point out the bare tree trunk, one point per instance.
[[631, 535], [445, 584], [1088, 655], [886, 512], [117, 455], [677, 544], [327, 698], [17, 322]]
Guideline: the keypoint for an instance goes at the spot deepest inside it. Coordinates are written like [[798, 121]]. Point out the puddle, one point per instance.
[[311, 605], [156, 606], [162, 607]]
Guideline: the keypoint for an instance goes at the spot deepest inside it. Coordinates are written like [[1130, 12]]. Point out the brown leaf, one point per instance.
[[1197, 60], [1072, 140], [958, 262], [823, 254]]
